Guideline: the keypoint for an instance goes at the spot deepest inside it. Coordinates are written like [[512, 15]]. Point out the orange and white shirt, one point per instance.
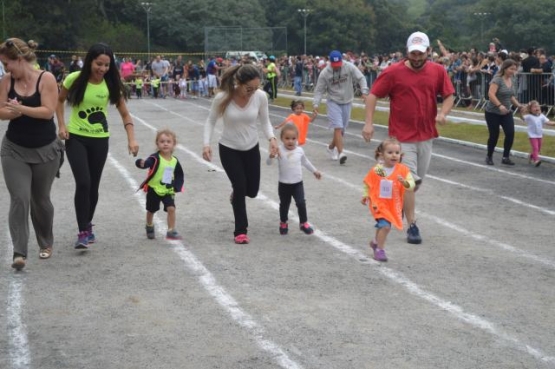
[[386, 193]]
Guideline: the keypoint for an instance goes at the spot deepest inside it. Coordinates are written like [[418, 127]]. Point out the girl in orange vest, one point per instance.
[[300, 119], [384, 189]]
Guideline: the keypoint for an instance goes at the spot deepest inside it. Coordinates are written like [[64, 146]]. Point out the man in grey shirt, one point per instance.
[[161, 68], [338, 79]]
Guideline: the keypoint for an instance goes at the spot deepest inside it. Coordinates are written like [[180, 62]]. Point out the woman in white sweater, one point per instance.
[[241, 105]]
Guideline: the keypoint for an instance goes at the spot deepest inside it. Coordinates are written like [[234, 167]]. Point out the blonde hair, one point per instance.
[[381, 147], [13, 48], [166, 132], [289, 127]]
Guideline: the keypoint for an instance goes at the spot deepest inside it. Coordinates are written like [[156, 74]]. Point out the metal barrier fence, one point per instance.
[[472, 90]]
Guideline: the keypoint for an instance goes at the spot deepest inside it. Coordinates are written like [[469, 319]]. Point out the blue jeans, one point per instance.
[[298, 82]]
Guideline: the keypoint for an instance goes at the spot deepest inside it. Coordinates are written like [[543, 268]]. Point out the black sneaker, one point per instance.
[[489, 161], [413, 235], [150, 234], [507, 161]]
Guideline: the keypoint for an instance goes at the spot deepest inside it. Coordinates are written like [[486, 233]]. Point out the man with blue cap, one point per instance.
[[337, 80]]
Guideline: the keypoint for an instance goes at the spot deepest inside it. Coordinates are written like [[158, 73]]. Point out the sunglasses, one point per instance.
[[10, 43], [250, 88]]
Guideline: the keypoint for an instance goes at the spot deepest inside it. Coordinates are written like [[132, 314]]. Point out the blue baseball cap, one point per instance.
[[336, 59]]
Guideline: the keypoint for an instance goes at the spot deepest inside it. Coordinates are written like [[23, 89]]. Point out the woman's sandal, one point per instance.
[[45, 253]]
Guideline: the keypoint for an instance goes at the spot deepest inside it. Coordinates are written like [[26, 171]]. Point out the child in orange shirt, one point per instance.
[[384, 189], [299, 119]]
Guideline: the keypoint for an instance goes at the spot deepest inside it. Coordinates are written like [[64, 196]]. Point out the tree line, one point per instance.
[[372, 26]]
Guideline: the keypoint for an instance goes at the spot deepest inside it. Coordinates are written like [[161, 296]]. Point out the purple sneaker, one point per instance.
[[373, 245], [379, 255], [82, 241]]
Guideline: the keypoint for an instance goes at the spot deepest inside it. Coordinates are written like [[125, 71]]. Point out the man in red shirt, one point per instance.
[[413, 86]]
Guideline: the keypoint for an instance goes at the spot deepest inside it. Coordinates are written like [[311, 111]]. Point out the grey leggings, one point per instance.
[[29, 186]]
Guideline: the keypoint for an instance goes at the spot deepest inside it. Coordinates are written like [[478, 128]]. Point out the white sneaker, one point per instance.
[[333, 153], [342, 158]]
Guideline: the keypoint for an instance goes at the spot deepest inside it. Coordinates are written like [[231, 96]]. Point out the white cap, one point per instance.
[[418, 41]]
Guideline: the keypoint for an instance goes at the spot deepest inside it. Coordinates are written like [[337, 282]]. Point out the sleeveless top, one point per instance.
[[26, 131]]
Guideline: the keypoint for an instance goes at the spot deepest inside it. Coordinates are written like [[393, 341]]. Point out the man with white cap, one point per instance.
[[337, 80], [412, 86]]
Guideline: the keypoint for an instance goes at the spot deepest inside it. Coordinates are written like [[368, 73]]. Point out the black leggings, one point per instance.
[[494, 121], [86, 157], [243, 170], [286, 191]]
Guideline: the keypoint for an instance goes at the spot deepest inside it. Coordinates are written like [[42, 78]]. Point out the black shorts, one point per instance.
[[153, 201]]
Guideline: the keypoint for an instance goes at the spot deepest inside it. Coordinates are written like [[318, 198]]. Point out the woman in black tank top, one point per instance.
[[30, 150]]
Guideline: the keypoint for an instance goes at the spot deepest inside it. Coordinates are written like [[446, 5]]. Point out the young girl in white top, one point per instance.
[[182, 88], [241, 105], [291, 159], [535, 120]]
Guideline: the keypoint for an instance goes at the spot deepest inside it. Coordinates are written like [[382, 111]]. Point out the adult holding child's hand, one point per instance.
[[240, 104]]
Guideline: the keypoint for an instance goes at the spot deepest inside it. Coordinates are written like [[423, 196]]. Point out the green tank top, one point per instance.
[[89, 118]]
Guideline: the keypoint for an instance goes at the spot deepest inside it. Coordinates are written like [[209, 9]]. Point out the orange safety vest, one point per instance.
[[388, 209]]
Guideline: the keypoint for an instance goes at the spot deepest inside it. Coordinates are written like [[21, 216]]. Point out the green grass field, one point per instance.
[[459, 131]]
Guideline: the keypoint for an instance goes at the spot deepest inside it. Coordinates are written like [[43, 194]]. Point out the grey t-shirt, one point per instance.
[[504, 94], [158, 67]]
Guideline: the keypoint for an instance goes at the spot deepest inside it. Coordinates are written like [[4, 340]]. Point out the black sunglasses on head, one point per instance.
[[10, 43]]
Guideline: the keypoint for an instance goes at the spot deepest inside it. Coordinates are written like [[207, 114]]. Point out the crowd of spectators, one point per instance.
[[470, 71]]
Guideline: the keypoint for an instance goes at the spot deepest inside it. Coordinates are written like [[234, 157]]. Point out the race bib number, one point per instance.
[[386, 189], [167, 178]]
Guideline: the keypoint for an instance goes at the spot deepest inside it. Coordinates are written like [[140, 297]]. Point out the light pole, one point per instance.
[[3, 21], [304, 12], [147, 7], [482, 16]]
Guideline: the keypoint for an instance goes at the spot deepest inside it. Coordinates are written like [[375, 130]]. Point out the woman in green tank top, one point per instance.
[[88, 92]]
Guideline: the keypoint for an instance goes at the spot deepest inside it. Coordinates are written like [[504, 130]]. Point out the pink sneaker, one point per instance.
[[306, 228], [242, 239]]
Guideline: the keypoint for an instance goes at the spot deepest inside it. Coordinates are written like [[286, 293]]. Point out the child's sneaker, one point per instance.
[[150, 232], [92, 238], [283, 228], [82, 241], [242, 239], [306, 228], [173, 235], [379, 255], [373, 245]]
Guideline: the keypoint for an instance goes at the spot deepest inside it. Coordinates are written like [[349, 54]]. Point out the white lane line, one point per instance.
[[482, 239], [18, 343], [209, 283], [491, 192], [413, 288]]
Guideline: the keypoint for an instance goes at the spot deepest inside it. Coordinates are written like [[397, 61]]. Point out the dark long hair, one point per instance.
[[76, 92]]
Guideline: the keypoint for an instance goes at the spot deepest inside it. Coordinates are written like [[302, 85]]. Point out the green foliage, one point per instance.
[[373, 26]]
